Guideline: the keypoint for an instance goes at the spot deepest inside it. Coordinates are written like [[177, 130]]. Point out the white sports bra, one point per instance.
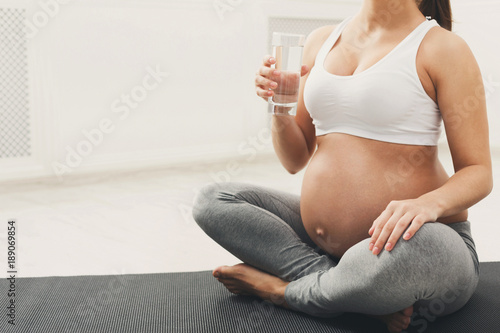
[[385, 102]]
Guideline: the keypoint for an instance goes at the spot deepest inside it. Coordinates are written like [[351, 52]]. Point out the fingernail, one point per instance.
[[277, 73], [375, 251], [388, 246], [370, 247], [274, 84], [407, 236]]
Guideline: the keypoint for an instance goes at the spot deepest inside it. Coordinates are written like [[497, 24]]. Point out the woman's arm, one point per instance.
[[294, 138], [461, 98], [462, 101]]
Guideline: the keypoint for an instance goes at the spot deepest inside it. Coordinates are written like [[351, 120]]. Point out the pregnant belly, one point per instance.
[[350, 181]]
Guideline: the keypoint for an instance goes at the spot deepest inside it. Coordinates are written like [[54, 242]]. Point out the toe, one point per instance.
[[401, 321], [408, 311], [219, 272], [398, 326], [234, 290], [406, 322], [393, 329]]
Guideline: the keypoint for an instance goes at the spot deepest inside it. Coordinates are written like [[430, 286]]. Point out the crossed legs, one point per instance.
[[263, 228]]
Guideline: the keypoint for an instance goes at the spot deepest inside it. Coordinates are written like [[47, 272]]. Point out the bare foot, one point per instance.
[[243, 279], [397, 322]]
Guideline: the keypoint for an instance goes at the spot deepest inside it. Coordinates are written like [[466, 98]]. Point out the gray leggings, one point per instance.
[[436, 270]]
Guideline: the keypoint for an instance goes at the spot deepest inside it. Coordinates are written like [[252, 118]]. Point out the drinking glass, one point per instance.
[[287, 50]]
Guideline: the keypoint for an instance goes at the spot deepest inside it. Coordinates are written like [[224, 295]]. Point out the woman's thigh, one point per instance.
[[284, 205]]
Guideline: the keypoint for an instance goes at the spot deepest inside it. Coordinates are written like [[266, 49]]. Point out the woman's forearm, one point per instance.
[[464, 189], [289, 143], [405, 217]]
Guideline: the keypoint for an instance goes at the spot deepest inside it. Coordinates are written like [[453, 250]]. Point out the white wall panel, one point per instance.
[[103, 54]]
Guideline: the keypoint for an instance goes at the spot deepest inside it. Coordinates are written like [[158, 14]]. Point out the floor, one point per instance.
[[140, 222]]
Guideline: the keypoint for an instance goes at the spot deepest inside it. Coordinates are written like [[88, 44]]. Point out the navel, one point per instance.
[[320, 232]]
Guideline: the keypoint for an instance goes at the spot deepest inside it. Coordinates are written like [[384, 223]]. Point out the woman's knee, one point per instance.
[[448, 297], [442, 264], [454, 277], [208, 206], [204, 204]]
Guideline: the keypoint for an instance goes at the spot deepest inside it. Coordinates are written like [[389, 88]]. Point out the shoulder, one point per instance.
[[444, 51], [321, 34], [314, 42], [441, 40]]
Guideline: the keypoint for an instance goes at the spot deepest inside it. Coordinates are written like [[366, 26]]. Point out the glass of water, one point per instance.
[[287, 50]]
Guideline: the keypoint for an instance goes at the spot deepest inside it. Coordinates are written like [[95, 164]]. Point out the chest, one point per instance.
[[354, 55]]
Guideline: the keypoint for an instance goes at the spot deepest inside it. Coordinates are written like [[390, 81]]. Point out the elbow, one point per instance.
[[489, 181], [487, 184], [294, 163], [489, 188], [294, 168], [298, 166], [292, 172]]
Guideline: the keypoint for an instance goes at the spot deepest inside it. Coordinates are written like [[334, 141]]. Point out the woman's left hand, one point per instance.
[[405, 216]]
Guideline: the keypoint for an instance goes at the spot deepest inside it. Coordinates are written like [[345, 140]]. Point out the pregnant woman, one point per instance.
[[379, 227]]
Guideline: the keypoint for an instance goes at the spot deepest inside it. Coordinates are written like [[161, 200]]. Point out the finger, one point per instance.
[[268, 72], [385, 233], [379, 223], [268, 60], [265, 83], [304, 70], [372, 228], [264, 93], [398, 230], [377, 227], [416, 224]]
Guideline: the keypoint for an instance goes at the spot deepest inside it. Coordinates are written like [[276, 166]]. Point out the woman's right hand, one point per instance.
[[267, 79]]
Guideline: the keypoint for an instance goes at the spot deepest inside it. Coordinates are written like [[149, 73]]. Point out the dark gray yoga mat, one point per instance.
[[195, 302]]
